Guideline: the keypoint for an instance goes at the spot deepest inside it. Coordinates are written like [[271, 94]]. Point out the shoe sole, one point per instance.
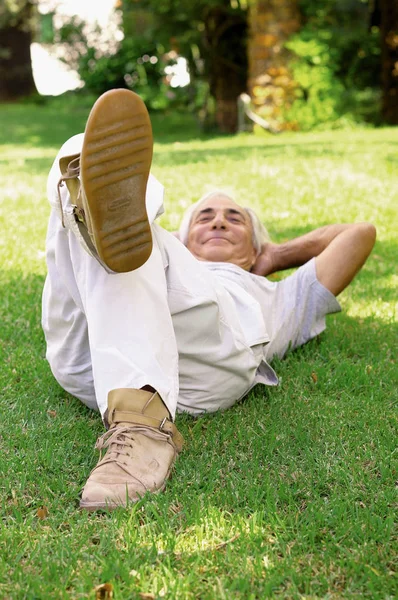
[[115, 163]]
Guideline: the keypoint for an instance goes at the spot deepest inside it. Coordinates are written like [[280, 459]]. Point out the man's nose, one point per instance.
[[219, 221]]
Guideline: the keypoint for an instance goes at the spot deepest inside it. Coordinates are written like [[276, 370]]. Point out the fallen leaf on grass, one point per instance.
[[52, 413], [134, 573], [266, 561], [104, 591], [219, 546], [145, 596], [175, 508], [223, 544], [314, 377], [42, 513]]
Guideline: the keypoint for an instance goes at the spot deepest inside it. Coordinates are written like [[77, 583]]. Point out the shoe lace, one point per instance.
[[72, 172], [119, 442]]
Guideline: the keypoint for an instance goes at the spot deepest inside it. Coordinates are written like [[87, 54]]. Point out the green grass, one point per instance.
[[290, 494]]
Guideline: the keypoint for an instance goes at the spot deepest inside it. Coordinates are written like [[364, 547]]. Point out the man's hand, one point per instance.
[[265, 261]]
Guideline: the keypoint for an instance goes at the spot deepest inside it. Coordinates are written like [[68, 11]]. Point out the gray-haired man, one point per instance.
[[140, 325]]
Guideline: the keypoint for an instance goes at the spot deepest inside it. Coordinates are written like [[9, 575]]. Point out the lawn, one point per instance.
[[290, 494]]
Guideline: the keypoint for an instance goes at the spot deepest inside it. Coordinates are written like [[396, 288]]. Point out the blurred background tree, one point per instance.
[[212, 36], [336, 64], [135, 61], [386, 16], [18, 21], [304, 63], [270, 78]]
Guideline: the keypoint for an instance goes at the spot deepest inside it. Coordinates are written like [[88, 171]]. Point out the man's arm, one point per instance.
[[340, 252]]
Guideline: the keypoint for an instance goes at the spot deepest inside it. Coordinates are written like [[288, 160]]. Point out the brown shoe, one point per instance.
[[114, 168], [142, 444]]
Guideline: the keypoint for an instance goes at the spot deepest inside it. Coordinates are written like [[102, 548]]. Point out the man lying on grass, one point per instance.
[[140, 324]]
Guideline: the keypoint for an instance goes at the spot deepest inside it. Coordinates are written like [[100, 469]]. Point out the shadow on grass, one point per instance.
[[34, 165], [55, 120], [53, 123], [40, 126], [299, 149]]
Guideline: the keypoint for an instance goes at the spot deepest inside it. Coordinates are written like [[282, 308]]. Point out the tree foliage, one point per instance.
[[135, 62], [337, 63], [211, 35], [10, 12], [344, 55]]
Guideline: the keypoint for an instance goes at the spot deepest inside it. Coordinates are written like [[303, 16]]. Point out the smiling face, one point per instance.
[[221, 231]]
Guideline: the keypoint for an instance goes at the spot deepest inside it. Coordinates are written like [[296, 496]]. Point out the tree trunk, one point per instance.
[[226, 41], [16, 77], [389, 57], [226, 92], [271, 23]]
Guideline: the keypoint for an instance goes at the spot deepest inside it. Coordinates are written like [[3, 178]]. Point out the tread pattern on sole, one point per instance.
[[125, 120], [96, 155], [112, 176], [127, 240], [118, 148], [136, 227]]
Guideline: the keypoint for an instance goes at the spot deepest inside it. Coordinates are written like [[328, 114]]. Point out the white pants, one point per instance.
[[170, 324]]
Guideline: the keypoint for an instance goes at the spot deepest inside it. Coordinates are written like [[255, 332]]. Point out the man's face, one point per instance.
[[221, 231]]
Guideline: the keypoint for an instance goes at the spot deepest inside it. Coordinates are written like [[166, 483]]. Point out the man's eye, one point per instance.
[[235, 220], [204, 219]]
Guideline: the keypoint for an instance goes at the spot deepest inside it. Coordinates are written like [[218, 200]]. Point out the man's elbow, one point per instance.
[[366, 237], [369, 233]]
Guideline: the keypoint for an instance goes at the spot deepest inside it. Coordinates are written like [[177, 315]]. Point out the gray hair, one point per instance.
[[260, 233]]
